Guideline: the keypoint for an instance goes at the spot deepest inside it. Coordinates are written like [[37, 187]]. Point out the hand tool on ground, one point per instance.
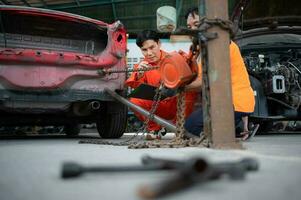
[[73, 169], [196, 170]]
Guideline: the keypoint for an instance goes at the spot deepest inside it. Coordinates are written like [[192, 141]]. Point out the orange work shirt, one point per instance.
[[152, 77], [242, 92]]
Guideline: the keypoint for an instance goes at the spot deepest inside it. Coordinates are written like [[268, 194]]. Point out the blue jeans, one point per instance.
[[194, 123]]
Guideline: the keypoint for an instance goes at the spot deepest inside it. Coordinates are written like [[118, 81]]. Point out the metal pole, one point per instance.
[[217, 93]]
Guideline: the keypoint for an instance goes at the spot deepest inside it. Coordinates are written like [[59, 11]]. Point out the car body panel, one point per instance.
[[50, 67], [49, 62]]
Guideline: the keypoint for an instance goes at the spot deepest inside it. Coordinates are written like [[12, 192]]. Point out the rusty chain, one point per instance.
[[181, 106], [103, 72], [155, 104], [177, 142], [180, 140], [223, 24], [131, 141], [156, 101], [204, 140]]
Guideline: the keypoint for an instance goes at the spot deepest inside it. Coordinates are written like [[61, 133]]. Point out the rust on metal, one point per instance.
[[217, 95]]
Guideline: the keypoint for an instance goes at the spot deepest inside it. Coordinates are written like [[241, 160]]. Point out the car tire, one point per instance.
[[72, 129], [113, 124]]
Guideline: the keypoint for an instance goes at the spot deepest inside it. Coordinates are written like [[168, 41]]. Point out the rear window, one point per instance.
[[43, 32]]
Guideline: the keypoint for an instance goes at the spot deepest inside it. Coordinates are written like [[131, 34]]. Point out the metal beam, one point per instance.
[[216, 90], [137, 17], [44, 3], [77, 2], [87, 4], [179, 4], [26, 3], [114, 10], [5, 2]]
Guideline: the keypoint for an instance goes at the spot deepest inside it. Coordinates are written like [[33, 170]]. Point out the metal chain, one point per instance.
[[103, 72], [156, 101], [206, 90], [228, 25], [181, 106], [180, 140], [130, 141], [177, 142], [155, 104]]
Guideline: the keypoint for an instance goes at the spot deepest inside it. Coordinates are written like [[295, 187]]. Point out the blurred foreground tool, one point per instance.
[[196, 170], [189, 172], [72, 169]]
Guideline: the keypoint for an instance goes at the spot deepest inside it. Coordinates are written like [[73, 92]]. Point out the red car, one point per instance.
[[49, 64]]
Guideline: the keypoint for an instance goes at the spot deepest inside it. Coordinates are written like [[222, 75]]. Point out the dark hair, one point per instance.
[[193, 11], [146, 35]]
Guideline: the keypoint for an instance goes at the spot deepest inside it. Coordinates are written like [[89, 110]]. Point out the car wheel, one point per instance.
[[72, 129], [113, 123]]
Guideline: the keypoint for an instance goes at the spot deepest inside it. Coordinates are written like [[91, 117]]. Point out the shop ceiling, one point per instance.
[[138, 15]]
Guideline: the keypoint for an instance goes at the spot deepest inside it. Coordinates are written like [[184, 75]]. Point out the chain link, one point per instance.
[[103, 72], [181, 106], [206, 102], [155, 104], [228, 25]]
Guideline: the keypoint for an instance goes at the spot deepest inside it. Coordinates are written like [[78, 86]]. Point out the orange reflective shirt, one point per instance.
[[151, 77], [242, 93]]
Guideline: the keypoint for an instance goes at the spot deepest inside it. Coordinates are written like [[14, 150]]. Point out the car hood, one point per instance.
[[257, 20], [254, 17], [270, 25]]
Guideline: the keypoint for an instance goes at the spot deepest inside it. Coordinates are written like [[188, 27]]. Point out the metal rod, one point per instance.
[[5, 2], [87, 4], [142, 111], [145, 113], [114, 10], [77, 3], [179, 4]]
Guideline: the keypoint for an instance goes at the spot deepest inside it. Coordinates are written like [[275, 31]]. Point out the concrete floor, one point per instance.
[[30, 169]]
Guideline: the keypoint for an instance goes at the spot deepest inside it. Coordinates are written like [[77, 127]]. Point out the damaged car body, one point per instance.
[[49, 62]]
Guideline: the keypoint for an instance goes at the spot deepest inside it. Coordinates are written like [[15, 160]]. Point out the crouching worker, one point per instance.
[[242, 93], [149, 43]]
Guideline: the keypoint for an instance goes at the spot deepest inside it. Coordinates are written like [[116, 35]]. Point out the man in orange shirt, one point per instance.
[[150, 46], [242, 93]]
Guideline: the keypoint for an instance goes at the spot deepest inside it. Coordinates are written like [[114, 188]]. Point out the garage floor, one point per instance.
[[30, 169]]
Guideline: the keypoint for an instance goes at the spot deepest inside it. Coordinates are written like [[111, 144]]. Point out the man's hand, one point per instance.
[[168, 92], [142, 65]]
